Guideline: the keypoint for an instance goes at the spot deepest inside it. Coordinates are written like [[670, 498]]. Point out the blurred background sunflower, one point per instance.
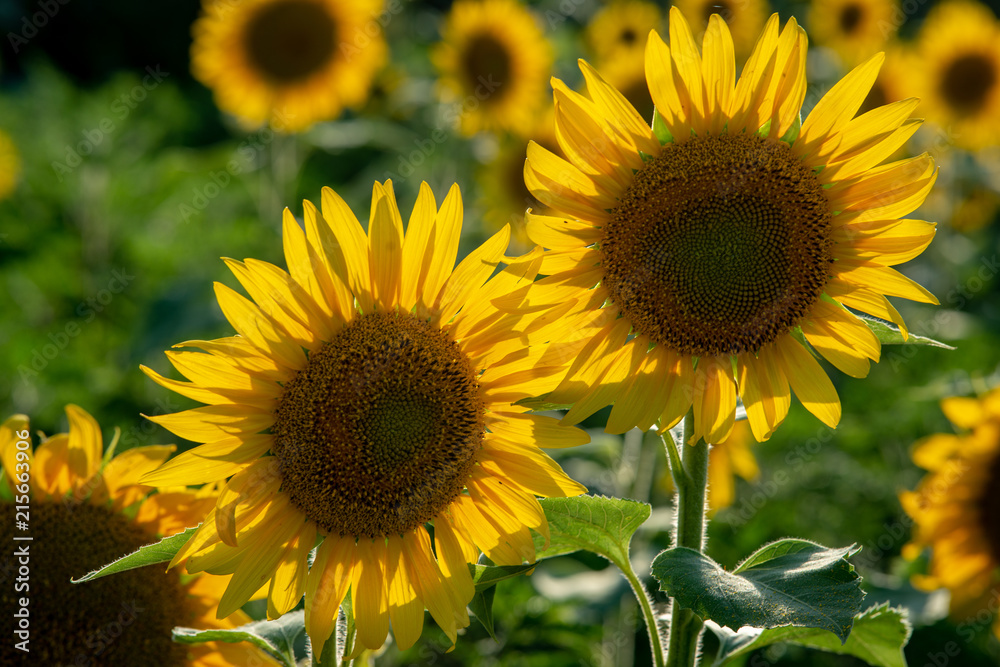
[[854, 29], [494, 61], [289, 62], [956, 509]]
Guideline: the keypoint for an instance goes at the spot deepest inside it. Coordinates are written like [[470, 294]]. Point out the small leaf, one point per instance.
[[789, 582], [888, 334], [482, 607], [593, 523], [660, 129], [161, 552], [276, 638], [487, 576], [878, 638]]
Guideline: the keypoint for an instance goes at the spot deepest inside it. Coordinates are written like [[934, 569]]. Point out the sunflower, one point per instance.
[[701, 265], [494, 64], [369, 393], [957, 73], [290, 62], [745, 19], [620, 29], [854, 29], [956, 506], [85, 511], [10, 165]]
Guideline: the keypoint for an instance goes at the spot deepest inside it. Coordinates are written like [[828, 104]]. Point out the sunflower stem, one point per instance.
[[690, 473], [655, 640]]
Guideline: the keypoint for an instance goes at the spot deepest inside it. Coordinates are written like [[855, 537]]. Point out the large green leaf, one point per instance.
[[888, 334], [878, 638], [788, 582], [276, 638], [160, 552], [593, 523]]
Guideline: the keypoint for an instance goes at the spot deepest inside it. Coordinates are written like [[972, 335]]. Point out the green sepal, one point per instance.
[[660, 129], [788, 582], [160, 552], [276, 638], [889, 334]]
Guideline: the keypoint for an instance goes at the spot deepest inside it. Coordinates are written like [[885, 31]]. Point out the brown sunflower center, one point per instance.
[[125, 619], [720, 245], [487, 64], [721, 8], [989, 509], [967, 82], [850, 18], [379, 432], [290, 40]]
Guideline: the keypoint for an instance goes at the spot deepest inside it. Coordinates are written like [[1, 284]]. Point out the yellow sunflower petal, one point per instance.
[[289, 580], [85, 447], [417, 243], [9, 438], [406, 611], [836, 109], [326, 586], [385, 240], [809, 382], [369, 595]]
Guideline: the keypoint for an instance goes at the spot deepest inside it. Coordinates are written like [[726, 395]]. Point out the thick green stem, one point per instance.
[[689, 468], [655, 641]]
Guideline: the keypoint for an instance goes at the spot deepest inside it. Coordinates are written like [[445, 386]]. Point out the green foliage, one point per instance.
[[878, 636], [151, 554], [598, 524], [789, 582], [276, 638]]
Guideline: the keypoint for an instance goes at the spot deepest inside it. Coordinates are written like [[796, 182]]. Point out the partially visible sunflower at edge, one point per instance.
[[88, 509], [494, 62], [745, 19], [620, 29], [854, 29], [370, 392], [957, 72], [711, 265], [956, 506], [10, 165], [288, 62]]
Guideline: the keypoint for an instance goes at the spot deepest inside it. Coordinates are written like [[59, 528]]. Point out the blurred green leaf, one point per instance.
[[592, 523], [276, 638], [888, 334], [878, 637], [160, 552], [788, 582]]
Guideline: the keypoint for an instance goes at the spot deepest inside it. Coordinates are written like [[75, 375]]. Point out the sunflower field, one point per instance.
[[514, 333]]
